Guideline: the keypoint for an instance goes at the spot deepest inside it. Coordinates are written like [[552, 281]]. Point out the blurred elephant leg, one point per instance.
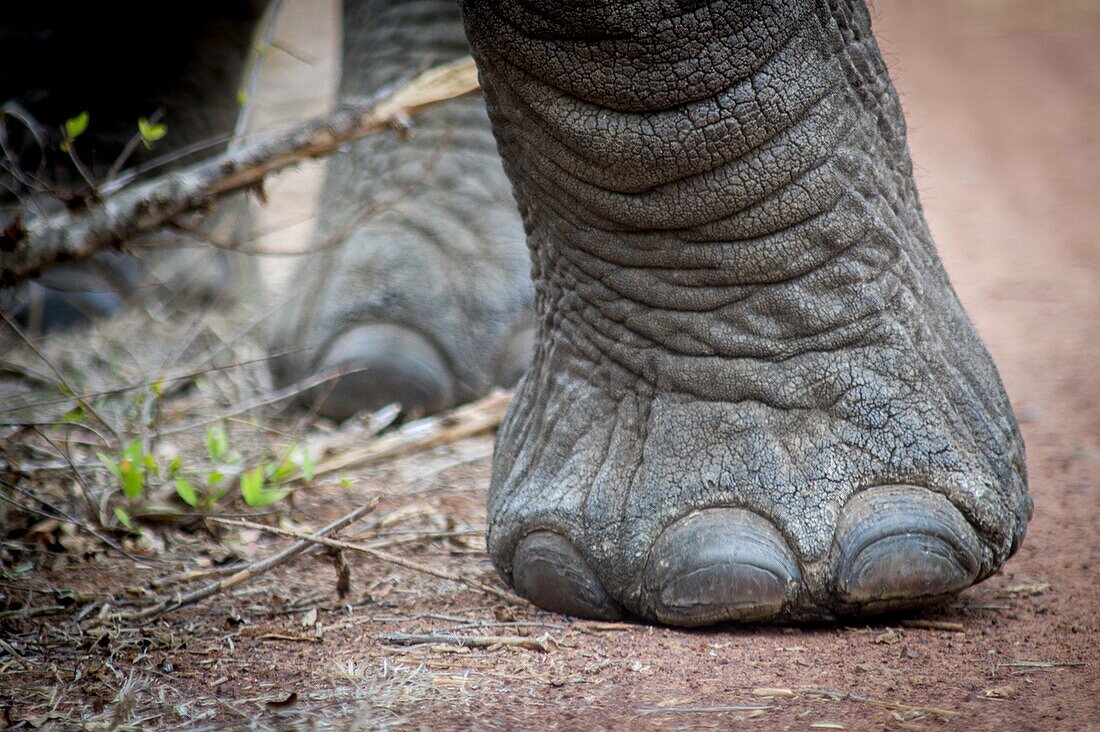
[[419, 292]]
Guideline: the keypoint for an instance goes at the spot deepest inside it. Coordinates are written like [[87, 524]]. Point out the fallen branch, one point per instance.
[[254, 569], [374, 553], [124, 215], [542, 643]]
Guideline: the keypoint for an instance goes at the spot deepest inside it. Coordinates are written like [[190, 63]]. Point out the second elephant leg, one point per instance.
[[420, 292]]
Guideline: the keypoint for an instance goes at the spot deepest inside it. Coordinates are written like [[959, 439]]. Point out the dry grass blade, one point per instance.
[[466, 421], [703, 710], [923, 624], [543, 643], [255, 569], [376, 554], [124, 215]]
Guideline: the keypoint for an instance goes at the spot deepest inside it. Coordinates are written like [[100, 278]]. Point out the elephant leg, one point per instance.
[[754, 393], [419, 292], [118, 63]]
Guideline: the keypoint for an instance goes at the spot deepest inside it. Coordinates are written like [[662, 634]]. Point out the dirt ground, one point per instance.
[[1003, 103]]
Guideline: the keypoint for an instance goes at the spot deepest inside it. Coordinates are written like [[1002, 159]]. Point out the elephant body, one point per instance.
[[752, 391]]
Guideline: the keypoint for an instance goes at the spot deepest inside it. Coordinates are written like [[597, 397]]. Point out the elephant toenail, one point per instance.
[[382, 364], [549, 571], [902, 546], [717, 565]]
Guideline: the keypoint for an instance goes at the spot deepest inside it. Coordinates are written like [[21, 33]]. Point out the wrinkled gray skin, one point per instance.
[[754, 394]]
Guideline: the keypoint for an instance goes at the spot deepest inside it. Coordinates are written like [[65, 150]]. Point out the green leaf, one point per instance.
[[252, 485], [75, 127], [278, 472], [150, 132], [132, 469], [124, 517], [242, 97], [175, 466], [305, 463], [76, 414], [253, 492], [217, 441], [214, 477], [345, 482], [110, 464], [133, 479], [133, 452], [268, 497], [187, 492]]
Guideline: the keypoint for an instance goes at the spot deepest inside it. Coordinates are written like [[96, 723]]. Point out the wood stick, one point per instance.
[[925, 624], [468, 420]]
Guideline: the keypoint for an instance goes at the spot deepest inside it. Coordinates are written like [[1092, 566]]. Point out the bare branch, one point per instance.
[[130, 213]]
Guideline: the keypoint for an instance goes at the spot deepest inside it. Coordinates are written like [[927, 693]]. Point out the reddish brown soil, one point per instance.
[[1003, 101]]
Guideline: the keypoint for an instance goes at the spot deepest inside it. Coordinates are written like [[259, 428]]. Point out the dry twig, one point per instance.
[[255, 569], [375, 553], [925, 624]]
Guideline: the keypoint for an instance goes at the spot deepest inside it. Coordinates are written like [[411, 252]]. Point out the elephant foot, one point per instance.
[[420, 293], [612, 497], [378, 364]]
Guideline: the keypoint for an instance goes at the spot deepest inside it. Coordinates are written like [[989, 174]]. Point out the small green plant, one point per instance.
[[74, 128], [202, 498], [217, 442], [254, 492], [150, 132], [262, 485], [265, 482], [131, 468]]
